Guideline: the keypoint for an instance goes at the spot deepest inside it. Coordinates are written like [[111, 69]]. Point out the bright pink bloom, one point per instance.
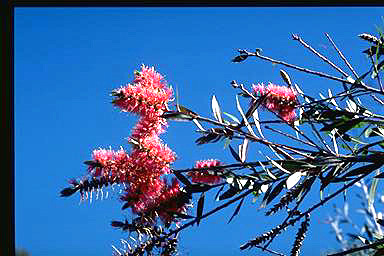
[[281, 100], [205, 176], [158, 199], [148, 94], [150, 158], [108, 162]]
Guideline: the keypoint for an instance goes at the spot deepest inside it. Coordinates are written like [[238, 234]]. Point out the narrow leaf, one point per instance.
[[216, 109], [229, 193], [232, 117], [234, 153], [277, 165], [293, 179], [255, 116], [243, 116], [240, 58], [372, 190], [218, 193], [243, 149], [177, 116], [363, 169], [237, 210], [200, 207], [182, 178], [276, 191], [197, 188]]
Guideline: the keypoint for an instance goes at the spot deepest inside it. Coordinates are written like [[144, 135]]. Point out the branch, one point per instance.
[[341, 55], [309, 71], [298, 38], [369, 246]]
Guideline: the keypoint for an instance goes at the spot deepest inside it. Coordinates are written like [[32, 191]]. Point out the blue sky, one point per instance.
[[68, 60]]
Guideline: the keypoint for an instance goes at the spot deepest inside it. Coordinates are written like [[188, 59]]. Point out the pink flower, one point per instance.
[[205, 176], [108, 162], [281, 100], [149, 93], [157, 199], [147, 192]]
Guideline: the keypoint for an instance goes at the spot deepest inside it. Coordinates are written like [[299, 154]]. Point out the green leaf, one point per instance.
[[185, 110], [177, 116], [359, 80], [239, 108], [218, 192], [216, 109], [362, 169], [240, 58], [232, 117], [200, 207], [373, 188], [229, 193], [237, 210], [293, 179], [197, 188], [182, 178], [234, 154], [276, 191]]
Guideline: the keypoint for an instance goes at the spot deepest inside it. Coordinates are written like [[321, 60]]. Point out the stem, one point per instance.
[[377, 74], [369, 246], [289, 216], [291, 137], [270, 251], [322, 202], [309, 71], [341, 55], [209, 213], [257, 139], [298, 38]]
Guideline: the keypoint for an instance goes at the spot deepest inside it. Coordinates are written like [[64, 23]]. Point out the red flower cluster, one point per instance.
[[147, 193], [205, 176], [281, 100]]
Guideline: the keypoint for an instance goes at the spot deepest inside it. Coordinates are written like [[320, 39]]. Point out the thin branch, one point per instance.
[[269, 250], [377, 99], [289, 216], [298, 38], [305, 70], [209, 213], [377, 74], [311, 209], [291, 137], [369, 246], [342, 56]]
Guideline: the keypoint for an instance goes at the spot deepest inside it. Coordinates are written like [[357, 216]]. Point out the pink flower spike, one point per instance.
[[281, 100], [205, 176]]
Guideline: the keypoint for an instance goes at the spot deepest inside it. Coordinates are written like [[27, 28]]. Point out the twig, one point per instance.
[[377, 74], [289, 216], [291, 137], [309, 71], [342, 56], [296, 150], [208, 213], [298, 38], [269, 250], [369, 246], [314, 207], [377, 99]]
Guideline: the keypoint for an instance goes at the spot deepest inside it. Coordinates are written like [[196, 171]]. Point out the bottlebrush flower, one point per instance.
[[281, 100], [158, 199], [107, 162], [205, 176], [148, 94]]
